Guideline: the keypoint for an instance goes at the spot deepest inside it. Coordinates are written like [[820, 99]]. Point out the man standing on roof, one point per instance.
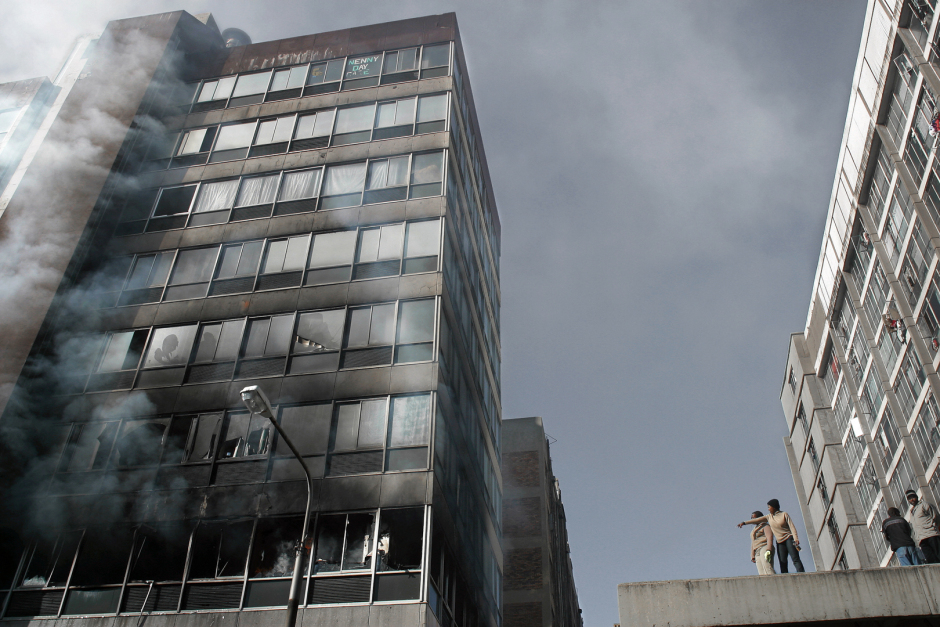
[[784, 531], [924, 523], [898, 534], [762, 547]]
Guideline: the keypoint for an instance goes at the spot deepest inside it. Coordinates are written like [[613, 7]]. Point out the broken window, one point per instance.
[[220, 549], [245, 435], [174, 201], [140, 442], [123, 351], [89, 446], [49, 560], [344, 542], [317, 341], [160, 552], [273, 552], [204, 438], [174, 448], [400, 539], [102, 558]]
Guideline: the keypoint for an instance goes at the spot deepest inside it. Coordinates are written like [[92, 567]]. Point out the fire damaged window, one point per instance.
[[345, 542], [273, 552], [140, 442], [400, 538], [220, 549], [160, 552], [49, 560], [244, 435], [88, 447], [309, 429], [102, 558], [317, 342]]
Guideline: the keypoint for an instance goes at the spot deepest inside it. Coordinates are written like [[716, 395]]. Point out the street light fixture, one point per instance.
[[257, 402]]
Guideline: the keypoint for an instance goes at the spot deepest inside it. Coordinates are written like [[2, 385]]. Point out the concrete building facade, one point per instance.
[[860, 386], [313, 216], [538, 578]]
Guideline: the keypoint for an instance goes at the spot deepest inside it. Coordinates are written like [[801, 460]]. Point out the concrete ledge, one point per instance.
[[797, 598]]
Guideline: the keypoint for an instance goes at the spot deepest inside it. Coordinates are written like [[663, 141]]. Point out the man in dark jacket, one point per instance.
[[897, 532]]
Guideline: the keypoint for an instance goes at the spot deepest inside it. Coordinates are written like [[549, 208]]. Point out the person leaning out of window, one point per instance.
[[784, 531]]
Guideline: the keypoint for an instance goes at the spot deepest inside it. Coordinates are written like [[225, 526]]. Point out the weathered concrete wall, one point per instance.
[[797, 598]]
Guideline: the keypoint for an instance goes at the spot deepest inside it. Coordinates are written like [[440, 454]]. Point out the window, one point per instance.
[[191, 273], [400, 65], [427, 174], [214, 202], [331, 257], [388, 180], [919, 142], [379, 251], [48, 561], [354, 124], [284, 262], [238, 265], [244, 435], [273, 552], [220, 549], [823, 492], [415, 331], [791, 380], [273, 136], [813, 456], [195, 146], [145, 281], [888, 436], [309, 430], [160, 552], [172, 208], [287, 83], [834, 533], [140, 442], [233, 142], [910, 381], [255, 191], [801, 417], [265, 347], [167, 356], [313, 130], [843, 564], [202, 437], [434, 60], [214, 91], [409, 432], [324, 77], [916, 264], [868, 486], [874, 529], [897, 222], [400, 538], [342, 186], [902, 480], [830, 373], [854, 450], [432, 112], [926, 431], [88, 447], [299, 191], [394, 119], [216, 351], [344, 542], [250, 88], [117, 366], [317, 342]]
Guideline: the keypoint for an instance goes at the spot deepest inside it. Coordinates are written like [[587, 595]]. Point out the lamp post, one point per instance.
[[257, 402]]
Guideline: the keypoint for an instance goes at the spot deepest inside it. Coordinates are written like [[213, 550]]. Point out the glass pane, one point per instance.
[[398, 171], [432, 108], [372, 424], [296, 253], [140, 275], [235, 136], [257, 337], [230, 340], [368, 245], [423, 239], [358, 334], [385, 116], [216, 196], [174, 201], [410, 420], [390, 244], [207, 428], [224, 88], [347, 427], [117, 349], [324, 125], [355, 119], [308, 427], [391, 62], [435, 56], [229, 261], [359, 541], [207, 92], [344, 179], [383, 325], [161, 269], [233, 440], [428, 168], [407, 59], [279, 81], [265, 132], [305, 126], [192, 141], [297, 76], [274, 260], [139, 442], [416, 321], [176, 439], [378, 174], [361, 67], [319, 331], [208, 342], [406, 112], [282, 131], [251, 254], [194, 266], [317, 72], [297, 185], [279, 339], [333, 249], [332, 530], [252, 84], [170, 346], [334, 70]]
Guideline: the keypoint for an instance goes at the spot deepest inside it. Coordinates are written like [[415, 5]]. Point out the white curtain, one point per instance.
[[344, 179], [258, 190], [378, 174], [216, 196], [302, 184]]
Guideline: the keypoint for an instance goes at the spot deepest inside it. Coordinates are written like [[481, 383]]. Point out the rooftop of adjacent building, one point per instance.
[[896, 596]]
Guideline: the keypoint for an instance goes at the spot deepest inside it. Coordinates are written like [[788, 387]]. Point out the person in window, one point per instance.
[[762, 547], [164, 355], [897, 532], [784, 533], [924, 523]]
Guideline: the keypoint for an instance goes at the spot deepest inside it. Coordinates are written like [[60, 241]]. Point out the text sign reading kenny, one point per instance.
[[358, 67]]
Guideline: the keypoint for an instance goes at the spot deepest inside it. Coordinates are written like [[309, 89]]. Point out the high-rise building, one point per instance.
[[538, 582], [313, 216], [860, 387]]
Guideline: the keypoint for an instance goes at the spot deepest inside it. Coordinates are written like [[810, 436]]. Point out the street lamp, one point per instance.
[[257, 402]]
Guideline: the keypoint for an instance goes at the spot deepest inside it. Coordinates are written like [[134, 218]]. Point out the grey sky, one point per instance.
[[663, 171]]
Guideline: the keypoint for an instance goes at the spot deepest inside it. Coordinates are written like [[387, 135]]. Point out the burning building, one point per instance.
[[194, 215]]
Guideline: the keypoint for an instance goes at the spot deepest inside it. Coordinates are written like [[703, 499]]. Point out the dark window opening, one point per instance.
[[160, 552], [220, 550], [400, 539], [103, 556], [273, 551]]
